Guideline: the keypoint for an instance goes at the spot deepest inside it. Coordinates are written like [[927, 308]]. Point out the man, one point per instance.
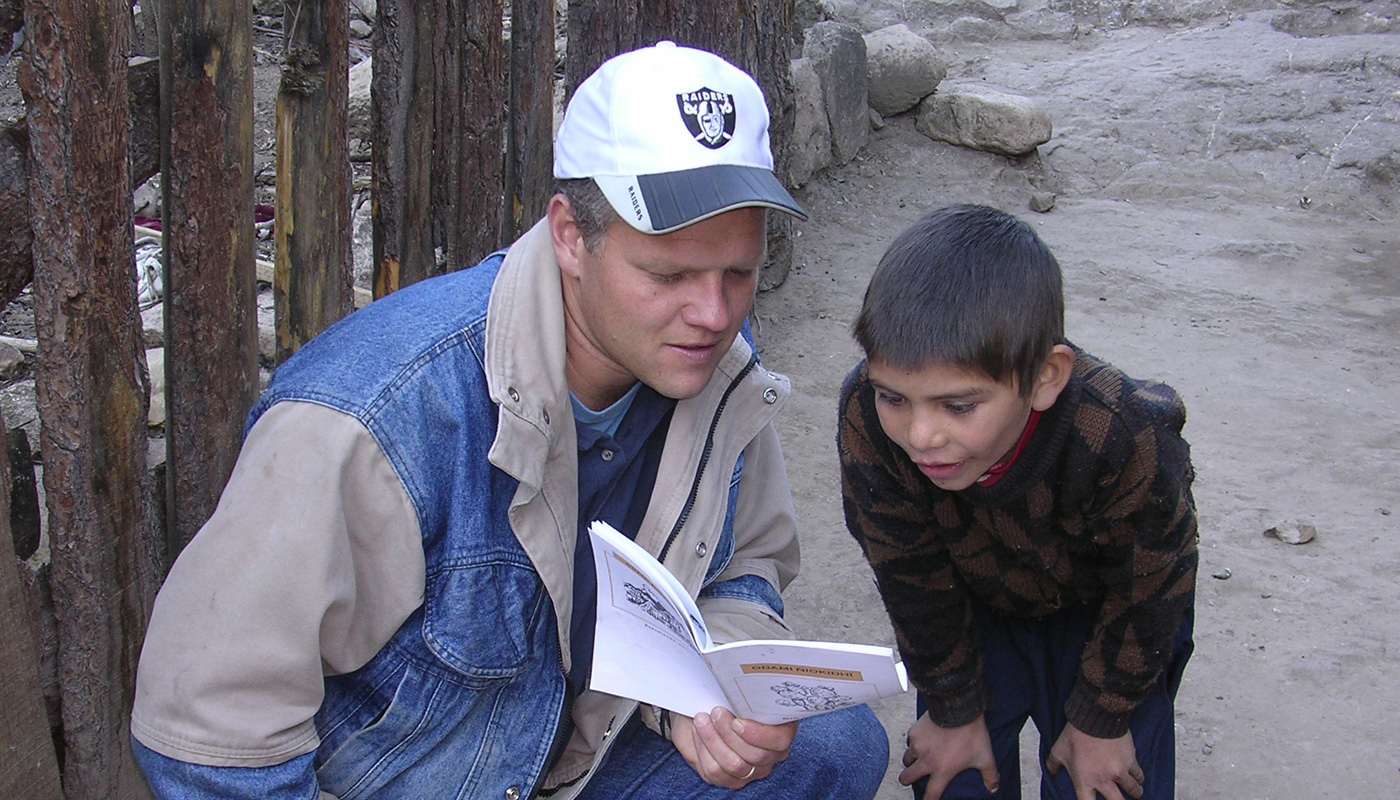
[[393, 599]]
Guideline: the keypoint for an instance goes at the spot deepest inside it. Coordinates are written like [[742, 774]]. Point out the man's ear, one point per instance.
[[564, 235], [1054, 375]]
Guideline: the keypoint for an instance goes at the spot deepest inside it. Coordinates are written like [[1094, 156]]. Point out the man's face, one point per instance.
[[953, 423], [662, 309]]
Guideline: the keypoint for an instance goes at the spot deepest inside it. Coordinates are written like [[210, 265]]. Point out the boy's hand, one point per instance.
[[1096, 766], [941, 753], [727, 751]]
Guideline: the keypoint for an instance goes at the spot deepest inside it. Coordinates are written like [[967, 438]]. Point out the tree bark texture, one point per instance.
[[16, 258], [755, 35], [439, 126], [91, 387], [211, 356], [529, 155], [30, 764], [313, 283]]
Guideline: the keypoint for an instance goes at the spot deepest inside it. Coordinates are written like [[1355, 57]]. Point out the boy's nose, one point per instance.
[[926, 434]]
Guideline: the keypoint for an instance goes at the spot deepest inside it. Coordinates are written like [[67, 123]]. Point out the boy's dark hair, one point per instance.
[[965, 286]]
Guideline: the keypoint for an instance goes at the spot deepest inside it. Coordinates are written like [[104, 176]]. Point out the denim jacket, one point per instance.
[[380, 605]]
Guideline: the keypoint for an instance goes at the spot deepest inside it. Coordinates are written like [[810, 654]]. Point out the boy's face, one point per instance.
[[954, 423]]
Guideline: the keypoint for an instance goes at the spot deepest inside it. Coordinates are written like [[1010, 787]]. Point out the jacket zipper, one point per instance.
[[705, 456]]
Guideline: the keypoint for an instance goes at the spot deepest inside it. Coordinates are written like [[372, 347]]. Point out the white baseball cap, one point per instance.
[[672, 135]]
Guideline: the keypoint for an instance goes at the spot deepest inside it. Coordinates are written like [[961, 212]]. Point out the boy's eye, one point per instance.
[[888, 399], [960, 408]]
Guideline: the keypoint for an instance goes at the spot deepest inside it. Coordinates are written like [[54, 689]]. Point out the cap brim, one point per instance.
[[669, 201]]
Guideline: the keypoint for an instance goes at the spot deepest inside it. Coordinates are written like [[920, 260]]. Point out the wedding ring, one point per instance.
[[752, 769]]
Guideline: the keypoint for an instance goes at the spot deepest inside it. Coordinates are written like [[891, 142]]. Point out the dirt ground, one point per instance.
[[1220, 230]]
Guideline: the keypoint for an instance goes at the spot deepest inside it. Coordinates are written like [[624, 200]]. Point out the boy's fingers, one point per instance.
[[991, 779], [1132, 785]]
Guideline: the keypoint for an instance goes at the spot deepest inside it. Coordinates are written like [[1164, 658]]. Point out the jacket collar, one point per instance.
[[525, 357]]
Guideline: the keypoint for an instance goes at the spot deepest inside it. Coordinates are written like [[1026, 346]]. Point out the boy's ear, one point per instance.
[[1054, 374], [564, 234]]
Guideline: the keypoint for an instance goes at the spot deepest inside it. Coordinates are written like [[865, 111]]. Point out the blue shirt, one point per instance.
[[619, 449]]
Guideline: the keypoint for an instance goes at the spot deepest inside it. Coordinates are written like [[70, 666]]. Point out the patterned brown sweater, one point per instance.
[[1097, 510]]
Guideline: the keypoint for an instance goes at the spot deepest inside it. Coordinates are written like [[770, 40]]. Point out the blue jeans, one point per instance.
[[1030, 665], [842, 755]]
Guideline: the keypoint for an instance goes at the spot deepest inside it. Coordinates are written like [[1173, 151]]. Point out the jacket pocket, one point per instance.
[[724, 548], [483, 620]]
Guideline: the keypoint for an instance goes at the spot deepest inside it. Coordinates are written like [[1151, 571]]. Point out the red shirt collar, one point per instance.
[[994, 473]]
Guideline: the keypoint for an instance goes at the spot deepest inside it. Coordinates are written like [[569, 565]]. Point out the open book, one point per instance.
[[651, 645]]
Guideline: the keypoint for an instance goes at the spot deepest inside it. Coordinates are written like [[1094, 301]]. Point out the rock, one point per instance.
[[984, 119], [1342, 19], [877, 122], [364, 9], [904, 68], [362, 242], [810, 146], [360, 125], [359, 29], [145, 201], [1042, 201], [1293, 531], [155, 364], [11, 362], [836, 53], [805, 14]]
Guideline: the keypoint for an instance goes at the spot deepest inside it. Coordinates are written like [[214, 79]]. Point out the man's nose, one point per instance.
[[708, 307]]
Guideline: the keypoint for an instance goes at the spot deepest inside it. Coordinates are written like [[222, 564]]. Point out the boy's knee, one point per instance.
[[841, 755]]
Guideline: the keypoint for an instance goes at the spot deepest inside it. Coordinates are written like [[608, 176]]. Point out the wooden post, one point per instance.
[[469, 206], [439, 128], [752, 34], [16, 260], [599, 30], [91, 387], [401, 106], [30, 766], [211, 333], [529, 153], [313, 284]]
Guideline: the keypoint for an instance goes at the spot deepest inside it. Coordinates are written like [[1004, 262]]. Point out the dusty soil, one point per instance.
[[1212, 236]]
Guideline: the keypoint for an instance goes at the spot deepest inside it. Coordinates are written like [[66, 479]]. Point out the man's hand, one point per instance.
[[1097, 766], [941, 753], [727, 751]]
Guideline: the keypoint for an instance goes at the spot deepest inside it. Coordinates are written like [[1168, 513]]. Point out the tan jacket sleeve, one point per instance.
[[310, 563], [765, 544]]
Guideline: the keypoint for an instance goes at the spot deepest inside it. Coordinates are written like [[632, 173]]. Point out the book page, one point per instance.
[[649, 633], [774, 681], [650, 644]]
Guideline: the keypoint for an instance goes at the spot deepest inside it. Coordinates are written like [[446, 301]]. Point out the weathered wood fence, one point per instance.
[[462, 122]]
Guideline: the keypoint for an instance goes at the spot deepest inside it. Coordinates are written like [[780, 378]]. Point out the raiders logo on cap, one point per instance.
[[708, 115]]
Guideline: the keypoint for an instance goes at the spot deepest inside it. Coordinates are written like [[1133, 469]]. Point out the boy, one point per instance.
[[1027, 511]]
